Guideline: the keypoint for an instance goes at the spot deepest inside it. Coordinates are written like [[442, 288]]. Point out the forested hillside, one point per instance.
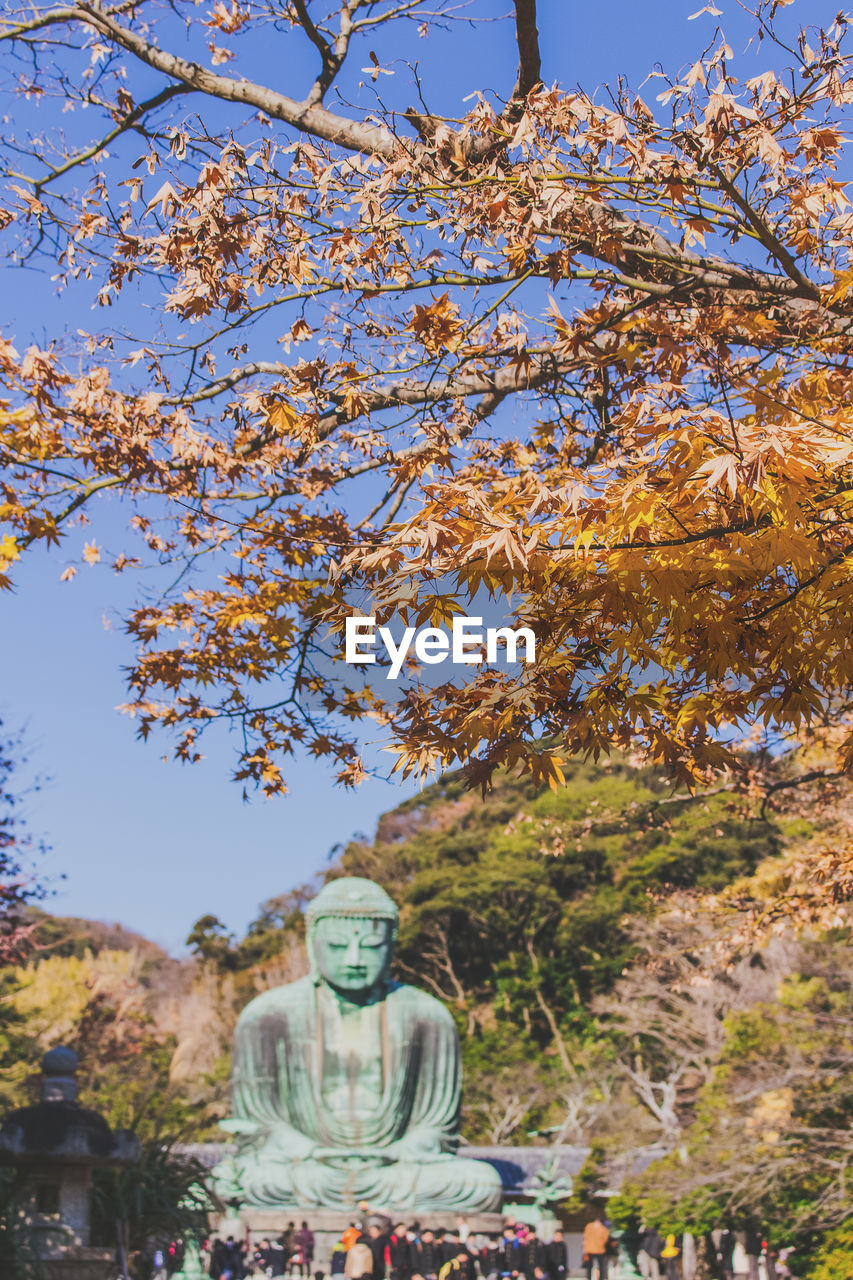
[[517, 912], [516, 909], [623, 962]]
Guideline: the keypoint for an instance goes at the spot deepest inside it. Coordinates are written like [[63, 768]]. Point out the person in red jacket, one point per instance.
[[398, 1254]]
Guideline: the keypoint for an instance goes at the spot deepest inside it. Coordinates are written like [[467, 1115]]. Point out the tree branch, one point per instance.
[[332, 56], [527, 38], [308, 116], [548, 1012], [129, 122], [765, 233], [804, 779]]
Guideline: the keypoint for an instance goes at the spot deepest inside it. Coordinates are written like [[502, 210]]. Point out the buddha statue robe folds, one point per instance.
[[346, 1083]]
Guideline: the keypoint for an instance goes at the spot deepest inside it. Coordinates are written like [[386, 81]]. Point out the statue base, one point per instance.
[[328, 1225], [79, 1263]]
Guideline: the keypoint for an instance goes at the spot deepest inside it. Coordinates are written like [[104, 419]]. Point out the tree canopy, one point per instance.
[[583, 353]]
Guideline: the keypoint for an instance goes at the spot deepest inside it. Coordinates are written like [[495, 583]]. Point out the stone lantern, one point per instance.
[[54, 1146]]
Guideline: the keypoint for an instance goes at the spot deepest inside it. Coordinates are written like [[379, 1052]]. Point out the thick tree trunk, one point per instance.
[[706, 1259]]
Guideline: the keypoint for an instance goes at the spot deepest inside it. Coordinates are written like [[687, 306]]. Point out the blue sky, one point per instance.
[[151, 843]]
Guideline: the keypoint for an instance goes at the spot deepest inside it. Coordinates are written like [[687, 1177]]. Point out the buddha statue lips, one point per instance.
[[346, 1083]]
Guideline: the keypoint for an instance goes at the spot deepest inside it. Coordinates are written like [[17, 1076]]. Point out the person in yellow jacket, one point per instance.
[[596, 1238], [669, 1256], [459, 1267]]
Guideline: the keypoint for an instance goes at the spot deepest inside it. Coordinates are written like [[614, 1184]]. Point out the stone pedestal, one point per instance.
[[546, 1224], [80, 1264], [329, 1225], [75, 1195]]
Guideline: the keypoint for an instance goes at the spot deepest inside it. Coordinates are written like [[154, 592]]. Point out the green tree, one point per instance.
[[514, 907], [766, 1138], [143, 1206], [210, 941]]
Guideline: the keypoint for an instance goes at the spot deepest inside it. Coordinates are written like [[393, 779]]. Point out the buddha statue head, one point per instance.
[[352, 925]]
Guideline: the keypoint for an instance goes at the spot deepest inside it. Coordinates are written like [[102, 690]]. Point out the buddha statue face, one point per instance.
[[352, 953]]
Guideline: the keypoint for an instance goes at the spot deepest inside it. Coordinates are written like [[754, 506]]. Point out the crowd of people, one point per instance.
[[740, 1255], [290, 1254], [408, 1251]]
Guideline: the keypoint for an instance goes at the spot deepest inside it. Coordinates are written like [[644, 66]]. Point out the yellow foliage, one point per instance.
[[54, 992], [771, 1113]]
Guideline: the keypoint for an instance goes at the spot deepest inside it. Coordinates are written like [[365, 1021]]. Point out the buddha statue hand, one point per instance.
[[346, 1157], [419, 1145], [279, 1141]]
